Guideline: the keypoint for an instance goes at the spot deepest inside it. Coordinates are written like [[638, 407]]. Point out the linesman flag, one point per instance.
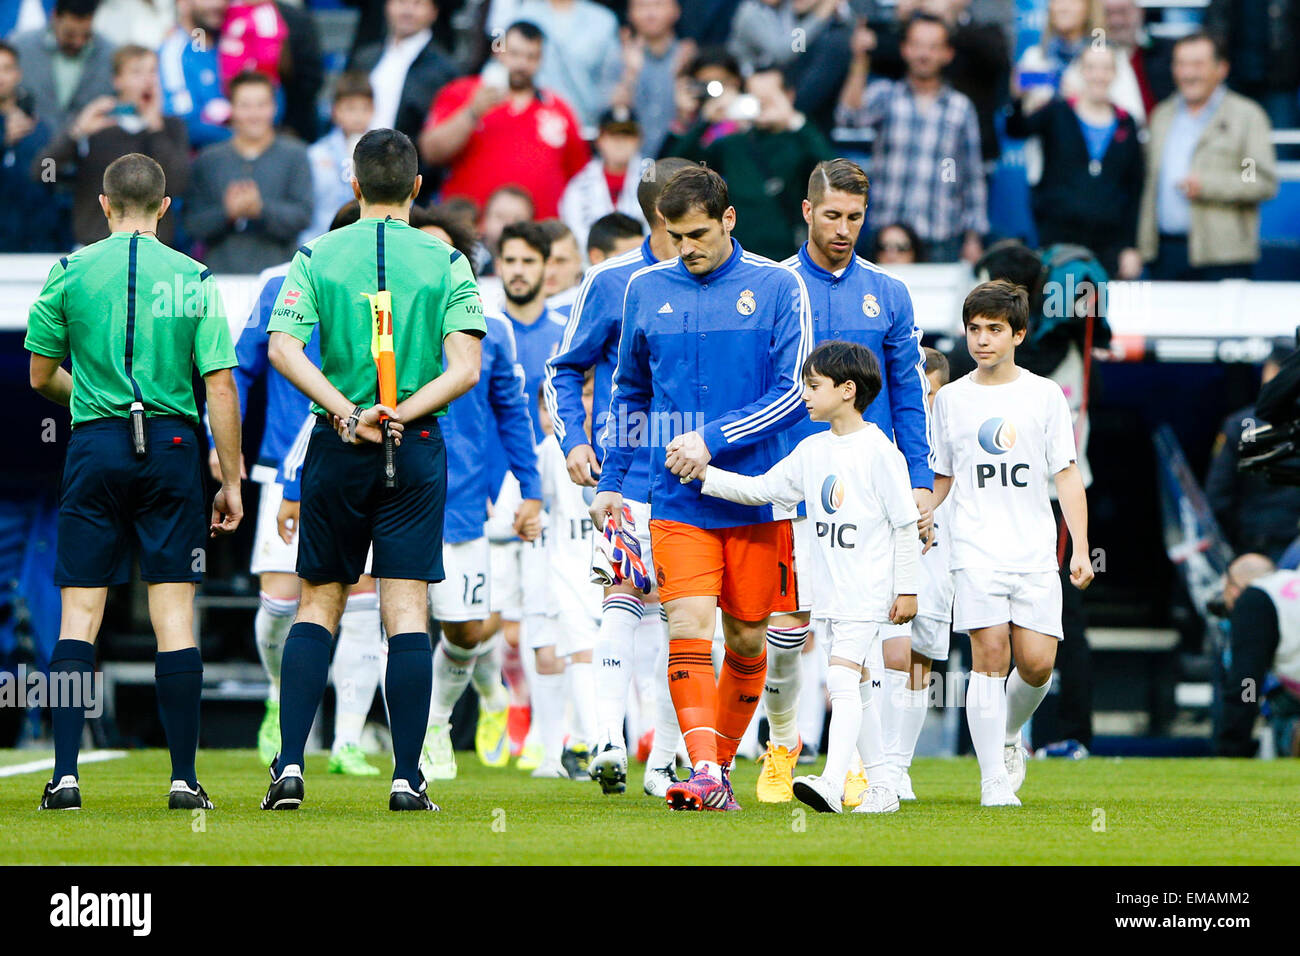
[[381, 348]]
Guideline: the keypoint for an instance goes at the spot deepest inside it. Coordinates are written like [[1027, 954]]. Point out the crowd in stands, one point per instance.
[[1154, 153]]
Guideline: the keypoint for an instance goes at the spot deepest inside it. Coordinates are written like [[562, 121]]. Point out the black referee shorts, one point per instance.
[[345, 507], [110, 502]]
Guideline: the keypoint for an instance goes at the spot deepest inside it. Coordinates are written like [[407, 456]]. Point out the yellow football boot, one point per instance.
[[775, 781]]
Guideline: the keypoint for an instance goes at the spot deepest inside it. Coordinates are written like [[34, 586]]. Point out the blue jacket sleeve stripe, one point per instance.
[[567, 368], [297, 453], [790, 399], [509, 405]]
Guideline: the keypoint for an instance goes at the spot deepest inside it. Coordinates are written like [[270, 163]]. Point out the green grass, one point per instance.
[[1154, 811]]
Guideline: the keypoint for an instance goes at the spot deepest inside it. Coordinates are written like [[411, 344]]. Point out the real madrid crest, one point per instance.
[[746, 305], [870, 307]]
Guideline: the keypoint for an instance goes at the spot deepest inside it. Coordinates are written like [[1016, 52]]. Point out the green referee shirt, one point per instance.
[[137, 317], [432, 288]]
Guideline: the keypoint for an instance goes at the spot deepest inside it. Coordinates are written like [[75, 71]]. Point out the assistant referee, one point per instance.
[[345, 503], [136, 318]]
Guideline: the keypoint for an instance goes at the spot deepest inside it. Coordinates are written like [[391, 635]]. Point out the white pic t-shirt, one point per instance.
[[570, 534], [1002, 445], [857, 491]]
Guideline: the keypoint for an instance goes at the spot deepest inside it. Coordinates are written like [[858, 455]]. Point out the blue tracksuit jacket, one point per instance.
[[720, 354], [591, 341], [867, 305]]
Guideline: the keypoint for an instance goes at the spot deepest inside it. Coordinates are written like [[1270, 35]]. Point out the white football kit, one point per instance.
[[858, 497], [1002, 445], [574, 604], [933, 622]]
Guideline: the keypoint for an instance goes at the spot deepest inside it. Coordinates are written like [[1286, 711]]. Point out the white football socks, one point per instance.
[[358, 661], [781, 685], [581, 681], [1022, 701], [892, 682], [548, 714], [871, 744], [986, 715], [911, 718], [614, 658], [812, 702], [668, 735], [846, 722], [489, 657], [452, 667], [270, 627]]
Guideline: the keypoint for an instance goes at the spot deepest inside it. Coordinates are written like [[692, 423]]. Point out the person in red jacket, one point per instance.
[[499, 128]]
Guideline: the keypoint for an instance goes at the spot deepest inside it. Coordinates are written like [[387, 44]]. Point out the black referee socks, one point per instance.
[[304, 670], [178, 676], [408, 684], [76, 659]]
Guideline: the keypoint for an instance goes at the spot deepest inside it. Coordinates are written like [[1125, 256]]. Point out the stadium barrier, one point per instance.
[[1229, 321]]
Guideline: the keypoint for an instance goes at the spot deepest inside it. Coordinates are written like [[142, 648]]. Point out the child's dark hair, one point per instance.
[[847, 362], [998, 299], [936, 363]]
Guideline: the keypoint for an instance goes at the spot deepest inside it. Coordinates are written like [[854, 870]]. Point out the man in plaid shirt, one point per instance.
[[926, 166]]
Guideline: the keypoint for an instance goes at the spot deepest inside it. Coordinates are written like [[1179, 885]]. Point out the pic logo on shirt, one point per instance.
[[870, 307], [832, 494], [746, 304], [291, 298], [997, 436]]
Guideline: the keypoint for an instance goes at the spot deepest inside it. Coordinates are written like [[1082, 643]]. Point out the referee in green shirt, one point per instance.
[[136, 318], [347, 503]]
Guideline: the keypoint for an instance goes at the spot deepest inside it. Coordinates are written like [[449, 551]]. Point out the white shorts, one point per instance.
[[852, 640], [569, 633], [805, 539], [506, 590], [576, 631], [930, 637], [464, 594], [519, 576], [1029, 599], [270, 554]]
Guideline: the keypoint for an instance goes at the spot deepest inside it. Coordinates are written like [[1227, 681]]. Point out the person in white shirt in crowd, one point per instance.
[[609, 182], [854, 482], [144, 23], [407, 69], [331, 155]]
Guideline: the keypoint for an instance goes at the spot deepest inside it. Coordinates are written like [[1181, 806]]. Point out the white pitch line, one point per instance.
[[95, 756]]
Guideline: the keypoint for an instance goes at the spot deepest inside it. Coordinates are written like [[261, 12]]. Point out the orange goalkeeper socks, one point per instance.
[[739, 689], [695, 694]]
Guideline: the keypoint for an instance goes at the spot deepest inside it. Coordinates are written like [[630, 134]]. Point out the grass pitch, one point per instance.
[[1096, 811]]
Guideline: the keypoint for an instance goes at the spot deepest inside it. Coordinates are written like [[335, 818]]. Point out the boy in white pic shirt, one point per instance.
[[997, 436], [855, 484]]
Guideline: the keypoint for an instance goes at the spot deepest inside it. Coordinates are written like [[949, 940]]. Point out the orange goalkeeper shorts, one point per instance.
[[749, 569]]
